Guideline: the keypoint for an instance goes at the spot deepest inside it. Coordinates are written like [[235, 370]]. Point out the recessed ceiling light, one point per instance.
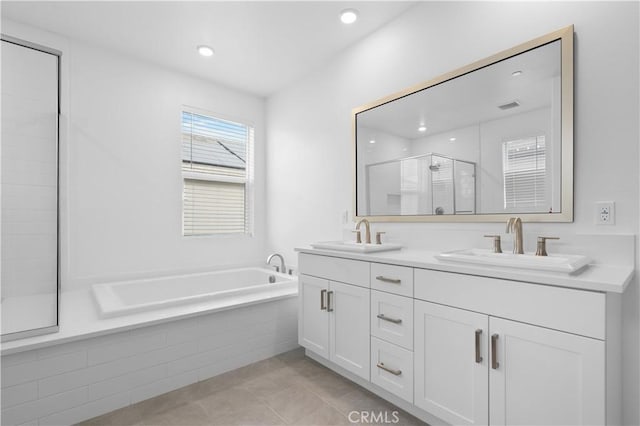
[[205, 50], [452, 139], [422, 128], [349, 16], [372, 141], [516, 73]]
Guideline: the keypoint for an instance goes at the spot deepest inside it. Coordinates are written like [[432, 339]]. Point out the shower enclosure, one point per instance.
[[29, 179], [426, 184]]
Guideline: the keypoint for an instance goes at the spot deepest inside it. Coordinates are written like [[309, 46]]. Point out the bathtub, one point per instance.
[[126, 297]]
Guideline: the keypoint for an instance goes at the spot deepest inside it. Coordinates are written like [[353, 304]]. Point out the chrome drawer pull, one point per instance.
[[478, 356], [388, 280], [390, 370], [494, 352], [393, 320], [323, 307]]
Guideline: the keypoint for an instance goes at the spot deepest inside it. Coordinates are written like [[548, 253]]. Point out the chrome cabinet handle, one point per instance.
[[389, 370], [329, 307], [388, 280], [393, 320], [494, 352], [478, 356], [322, 304]]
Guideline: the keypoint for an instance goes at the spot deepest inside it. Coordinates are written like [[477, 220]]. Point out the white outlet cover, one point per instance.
[[605, 213]]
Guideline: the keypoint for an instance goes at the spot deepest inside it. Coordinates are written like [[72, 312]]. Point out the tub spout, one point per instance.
[[282, 268]]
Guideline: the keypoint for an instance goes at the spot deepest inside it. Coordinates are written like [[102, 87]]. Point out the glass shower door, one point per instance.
[[29, 184]]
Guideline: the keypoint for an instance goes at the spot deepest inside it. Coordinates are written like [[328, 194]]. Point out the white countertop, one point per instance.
[[594, 277]]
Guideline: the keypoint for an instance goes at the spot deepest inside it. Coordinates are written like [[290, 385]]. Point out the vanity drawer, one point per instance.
[[574, 311], [392, 368], [335, 269], [392, 318], [392, 279]]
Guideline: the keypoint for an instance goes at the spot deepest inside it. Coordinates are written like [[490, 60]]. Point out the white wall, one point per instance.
[[309, 176], [121, 179]]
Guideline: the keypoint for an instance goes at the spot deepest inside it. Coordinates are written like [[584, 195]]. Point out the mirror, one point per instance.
[[489, 141]]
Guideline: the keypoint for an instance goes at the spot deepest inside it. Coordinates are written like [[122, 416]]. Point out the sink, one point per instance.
[[355, 247], [567, 263]]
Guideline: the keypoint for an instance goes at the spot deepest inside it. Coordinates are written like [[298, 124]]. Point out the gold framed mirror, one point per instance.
[[482, 143]]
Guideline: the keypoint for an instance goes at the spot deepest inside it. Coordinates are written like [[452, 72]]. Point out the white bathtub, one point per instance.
[[125, 297]]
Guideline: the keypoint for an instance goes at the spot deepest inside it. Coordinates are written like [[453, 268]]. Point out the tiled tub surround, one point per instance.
[[541, 339], [96, 366]]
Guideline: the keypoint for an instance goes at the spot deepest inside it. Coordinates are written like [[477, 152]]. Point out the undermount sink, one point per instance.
[[567, 263], [355, 247]]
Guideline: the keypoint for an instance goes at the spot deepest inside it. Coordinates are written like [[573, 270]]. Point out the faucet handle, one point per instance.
[[378, 235], [358, 236], [541, 246], [497, 247]]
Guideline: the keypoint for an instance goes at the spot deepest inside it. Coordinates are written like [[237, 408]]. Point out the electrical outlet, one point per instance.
[[605, 213]]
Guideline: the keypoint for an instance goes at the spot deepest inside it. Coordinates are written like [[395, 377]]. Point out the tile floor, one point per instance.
[[288, 389]]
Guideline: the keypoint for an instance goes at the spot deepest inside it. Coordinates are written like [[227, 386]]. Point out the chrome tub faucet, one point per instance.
[[282, 268]]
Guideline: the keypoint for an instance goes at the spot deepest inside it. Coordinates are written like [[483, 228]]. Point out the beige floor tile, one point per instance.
[[259, 415], [293, 402], [184, 415], [123, 416], [323, 416], [330, 385], [357, 400], [287, 389]]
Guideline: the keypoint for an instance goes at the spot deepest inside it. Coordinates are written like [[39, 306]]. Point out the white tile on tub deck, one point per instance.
[[127, 346], [28, 371], [127, 381], [237, 349], [19, 358], [114, 368], [87, 411], [163, 386], [43, 407], [19, 394], [182, 331]]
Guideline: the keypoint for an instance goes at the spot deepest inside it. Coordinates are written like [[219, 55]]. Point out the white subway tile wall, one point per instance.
[[71, 382]]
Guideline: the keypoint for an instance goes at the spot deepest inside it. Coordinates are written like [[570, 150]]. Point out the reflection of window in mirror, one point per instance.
[[524, 171]]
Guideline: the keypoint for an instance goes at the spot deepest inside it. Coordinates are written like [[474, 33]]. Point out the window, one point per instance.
[[524, 167], [217, 175]]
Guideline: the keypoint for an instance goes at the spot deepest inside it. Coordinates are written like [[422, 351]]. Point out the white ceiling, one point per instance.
[[473, 98], [261, 47]]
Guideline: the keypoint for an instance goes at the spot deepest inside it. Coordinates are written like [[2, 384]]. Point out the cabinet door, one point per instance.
[[451, 363], [349, 327], [545, 377], [313, 322]]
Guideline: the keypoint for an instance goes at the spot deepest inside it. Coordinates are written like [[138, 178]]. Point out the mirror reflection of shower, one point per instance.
[[432, 184]]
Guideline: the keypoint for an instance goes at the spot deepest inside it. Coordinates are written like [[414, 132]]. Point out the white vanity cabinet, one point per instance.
[[465, 349], [451, 361], [475, 369], [516, 353], [334, 316]]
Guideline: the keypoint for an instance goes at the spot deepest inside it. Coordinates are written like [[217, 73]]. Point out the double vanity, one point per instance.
[[471, 336], [462, 343]]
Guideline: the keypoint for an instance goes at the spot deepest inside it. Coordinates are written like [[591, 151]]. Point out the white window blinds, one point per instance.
[[524, 167], [216, 169]]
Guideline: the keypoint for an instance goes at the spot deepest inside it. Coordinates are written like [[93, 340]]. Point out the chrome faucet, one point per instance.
[[367, 229], [514, 226], [282, 268]]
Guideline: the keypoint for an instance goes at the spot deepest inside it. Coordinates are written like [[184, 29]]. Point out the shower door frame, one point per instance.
[[58, 54]]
